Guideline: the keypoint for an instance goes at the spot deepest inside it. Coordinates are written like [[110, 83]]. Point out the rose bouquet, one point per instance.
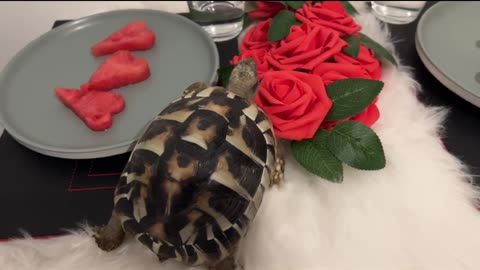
[[319, 78]]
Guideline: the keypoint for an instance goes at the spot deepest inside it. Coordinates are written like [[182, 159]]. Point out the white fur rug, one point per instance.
[[417, 213]]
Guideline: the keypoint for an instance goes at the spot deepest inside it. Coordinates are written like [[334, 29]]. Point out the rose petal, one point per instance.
[[276, 64], [300, 106], [256, 37], [266, 9], [296, 135], [268, 98], [286, 47], [311, 34], [329, 14], [335, 6], [365, 59], [295, 92], [331, 72], [281, 87], [312, 46], [310, 120]]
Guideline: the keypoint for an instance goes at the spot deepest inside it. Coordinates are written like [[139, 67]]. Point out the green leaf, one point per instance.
[[353, 45], [224, 74], [349, 8], [314, 156], [295, 4], [280, 26], [351, 96], [378, 49], [314, 2], [357, 145]]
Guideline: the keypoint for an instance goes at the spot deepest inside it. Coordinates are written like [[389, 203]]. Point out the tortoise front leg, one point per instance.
[[279, 165], [111, 236]]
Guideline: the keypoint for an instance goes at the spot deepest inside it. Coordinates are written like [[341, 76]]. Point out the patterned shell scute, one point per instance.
[[196, 178]]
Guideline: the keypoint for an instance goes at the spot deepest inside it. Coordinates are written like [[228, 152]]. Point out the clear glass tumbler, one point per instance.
[[397, 12], [223, 20]]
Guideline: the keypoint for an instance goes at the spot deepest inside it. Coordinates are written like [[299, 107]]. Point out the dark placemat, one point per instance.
[[42, 195], [45, 195]]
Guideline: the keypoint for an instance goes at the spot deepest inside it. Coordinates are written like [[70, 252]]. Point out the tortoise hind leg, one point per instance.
[[228, 263], [111, 236]]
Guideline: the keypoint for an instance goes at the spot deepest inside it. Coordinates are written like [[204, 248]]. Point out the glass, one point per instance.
[[397, 12], [223, 20]]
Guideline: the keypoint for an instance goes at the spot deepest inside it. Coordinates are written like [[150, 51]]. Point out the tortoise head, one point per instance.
[[243, 80]]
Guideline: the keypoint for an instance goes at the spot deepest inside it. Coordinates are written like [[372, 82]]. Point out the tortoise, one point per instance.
[[195, 179]]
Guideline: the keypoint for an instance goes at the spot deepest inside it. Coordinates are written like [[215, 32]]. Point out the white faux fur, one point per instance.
[[417, 213]]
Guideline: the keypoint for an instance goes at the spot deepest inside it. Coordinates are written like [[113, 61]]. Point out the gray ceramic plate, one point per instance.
[[448, 42], [31, 113]]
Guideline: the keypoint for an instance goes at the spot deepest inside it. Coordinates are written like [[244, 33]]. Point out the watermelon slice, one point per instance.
[[135, 36], [120, 69], [96, 109]]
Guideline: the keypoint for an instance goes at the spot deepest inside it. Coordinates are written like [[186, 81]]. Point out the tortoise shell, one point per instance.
[[196, 178]]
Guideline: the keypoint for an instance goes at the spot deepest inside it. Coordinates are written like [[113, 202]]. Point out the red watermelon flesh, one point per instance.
[[120, 69], [135, 36], [96, 109]]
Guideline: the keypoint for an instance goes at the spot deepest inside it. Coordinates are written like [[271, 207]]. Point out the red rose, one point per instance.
[[365, 59], [305, 47], [330, 14], [296, 103], [256, 37], [258, 56], [266, 9], [331, 72]]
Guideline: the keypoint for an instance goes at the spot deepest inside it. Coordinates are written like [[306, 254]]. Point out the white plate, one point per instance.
[[448, 42], [32, 114]]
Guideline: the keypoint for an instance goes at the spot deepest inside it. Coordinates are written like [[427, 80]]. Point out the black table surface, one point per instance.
[[45, 195], [462, 126]]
